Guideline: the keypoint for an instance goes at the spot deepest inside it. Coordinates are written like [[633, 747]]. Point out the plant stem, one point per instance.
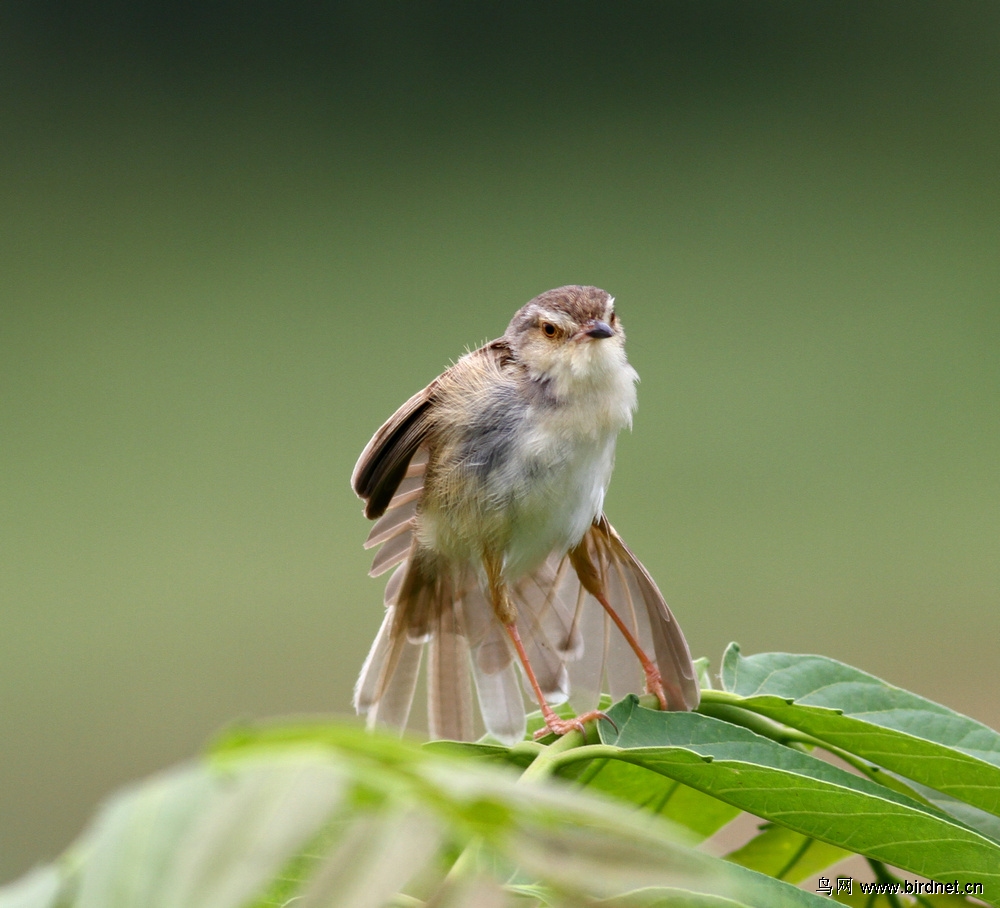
[[546, 762], [732, 708], [882, 875], [795, 858]]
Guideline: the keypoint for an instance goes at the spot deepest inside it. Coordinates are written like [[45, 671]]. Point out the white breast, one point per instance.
[[540, 491], [563, 469]]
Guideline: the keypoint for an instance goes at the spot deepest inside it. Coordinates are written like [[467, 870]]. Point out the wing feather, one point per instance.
[[391, 524], [597, 656], [394, 529], [384, 461], [641, 600], [571, 642], [393, 551]]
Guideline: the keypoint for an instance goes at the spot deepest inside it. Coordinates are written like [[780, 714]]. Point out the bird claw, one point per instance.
[[556, 726], [654, 684]]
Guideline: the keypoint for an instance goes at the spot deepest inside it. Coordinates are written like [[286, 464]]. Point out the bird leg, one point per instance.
[[504, 609], [592, 582]]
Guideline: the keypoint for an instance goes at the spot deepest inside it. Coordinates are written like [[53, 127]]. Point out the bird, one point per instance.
[[487, 488]]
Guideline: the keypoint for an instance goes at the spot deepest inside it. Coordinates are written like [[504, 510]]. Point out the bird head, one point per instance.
[[571, 339]]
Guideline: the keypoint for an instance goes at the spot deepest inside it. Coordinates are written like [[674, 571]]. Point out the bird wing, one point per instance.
[[384, 461], [597, 656], [389, 478], [562, 625], [422, 610], [381, 471]]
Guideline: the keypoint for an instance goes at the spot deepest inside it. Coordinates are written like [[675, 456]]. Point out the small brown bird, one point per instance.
[[489, 487]]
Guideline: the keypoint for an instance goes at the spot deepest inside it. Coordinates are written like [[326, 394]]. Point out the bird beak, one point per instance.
[[598, 329]]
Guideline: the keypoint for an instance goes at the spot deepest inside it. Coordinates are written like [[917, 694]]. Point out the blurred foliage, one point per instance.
[[235, 237], [323, 815]]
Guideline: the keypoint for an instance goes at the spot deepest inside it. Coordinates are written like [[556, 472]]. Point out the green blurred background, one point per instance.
[[234, 237]]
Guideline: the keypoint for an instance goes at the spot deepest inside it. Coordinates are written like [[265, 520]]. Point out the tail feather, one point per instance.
[[367, 688], [623, 669], [385, 687], [498, 688], [573, 647], [393, 706], [587, 673], [548, 664], [449, 695], [539, 595]]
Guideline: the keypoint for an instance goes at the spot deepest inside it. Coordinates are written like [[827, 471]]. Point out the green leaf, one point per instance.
[[863, 900], [322, 815], [986, 823], [862, 714], [786, 855], [520, 755], [798, 791], [669, 898], [203, 838], [702, 814], [40, 888]]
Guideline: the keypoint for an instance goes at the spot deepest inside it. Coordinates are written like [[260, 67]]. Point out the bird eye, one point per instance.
[[549, 329]]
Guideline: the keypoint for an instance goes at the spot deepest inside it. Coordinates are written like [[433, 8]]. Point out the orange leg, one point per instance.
[[654, 680], [593, 583], [504, 609], [552, 722]]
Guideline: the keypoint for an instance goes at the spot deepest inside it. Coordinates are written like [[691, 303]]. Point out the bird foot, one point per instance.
[[654, 684], [556, 726]]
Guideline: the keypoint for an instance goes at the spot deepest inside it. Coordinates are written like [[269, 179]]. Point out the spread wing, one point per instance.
[[389, 478], [427, 612], [571, 642], [597, 656], [384, 461]]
